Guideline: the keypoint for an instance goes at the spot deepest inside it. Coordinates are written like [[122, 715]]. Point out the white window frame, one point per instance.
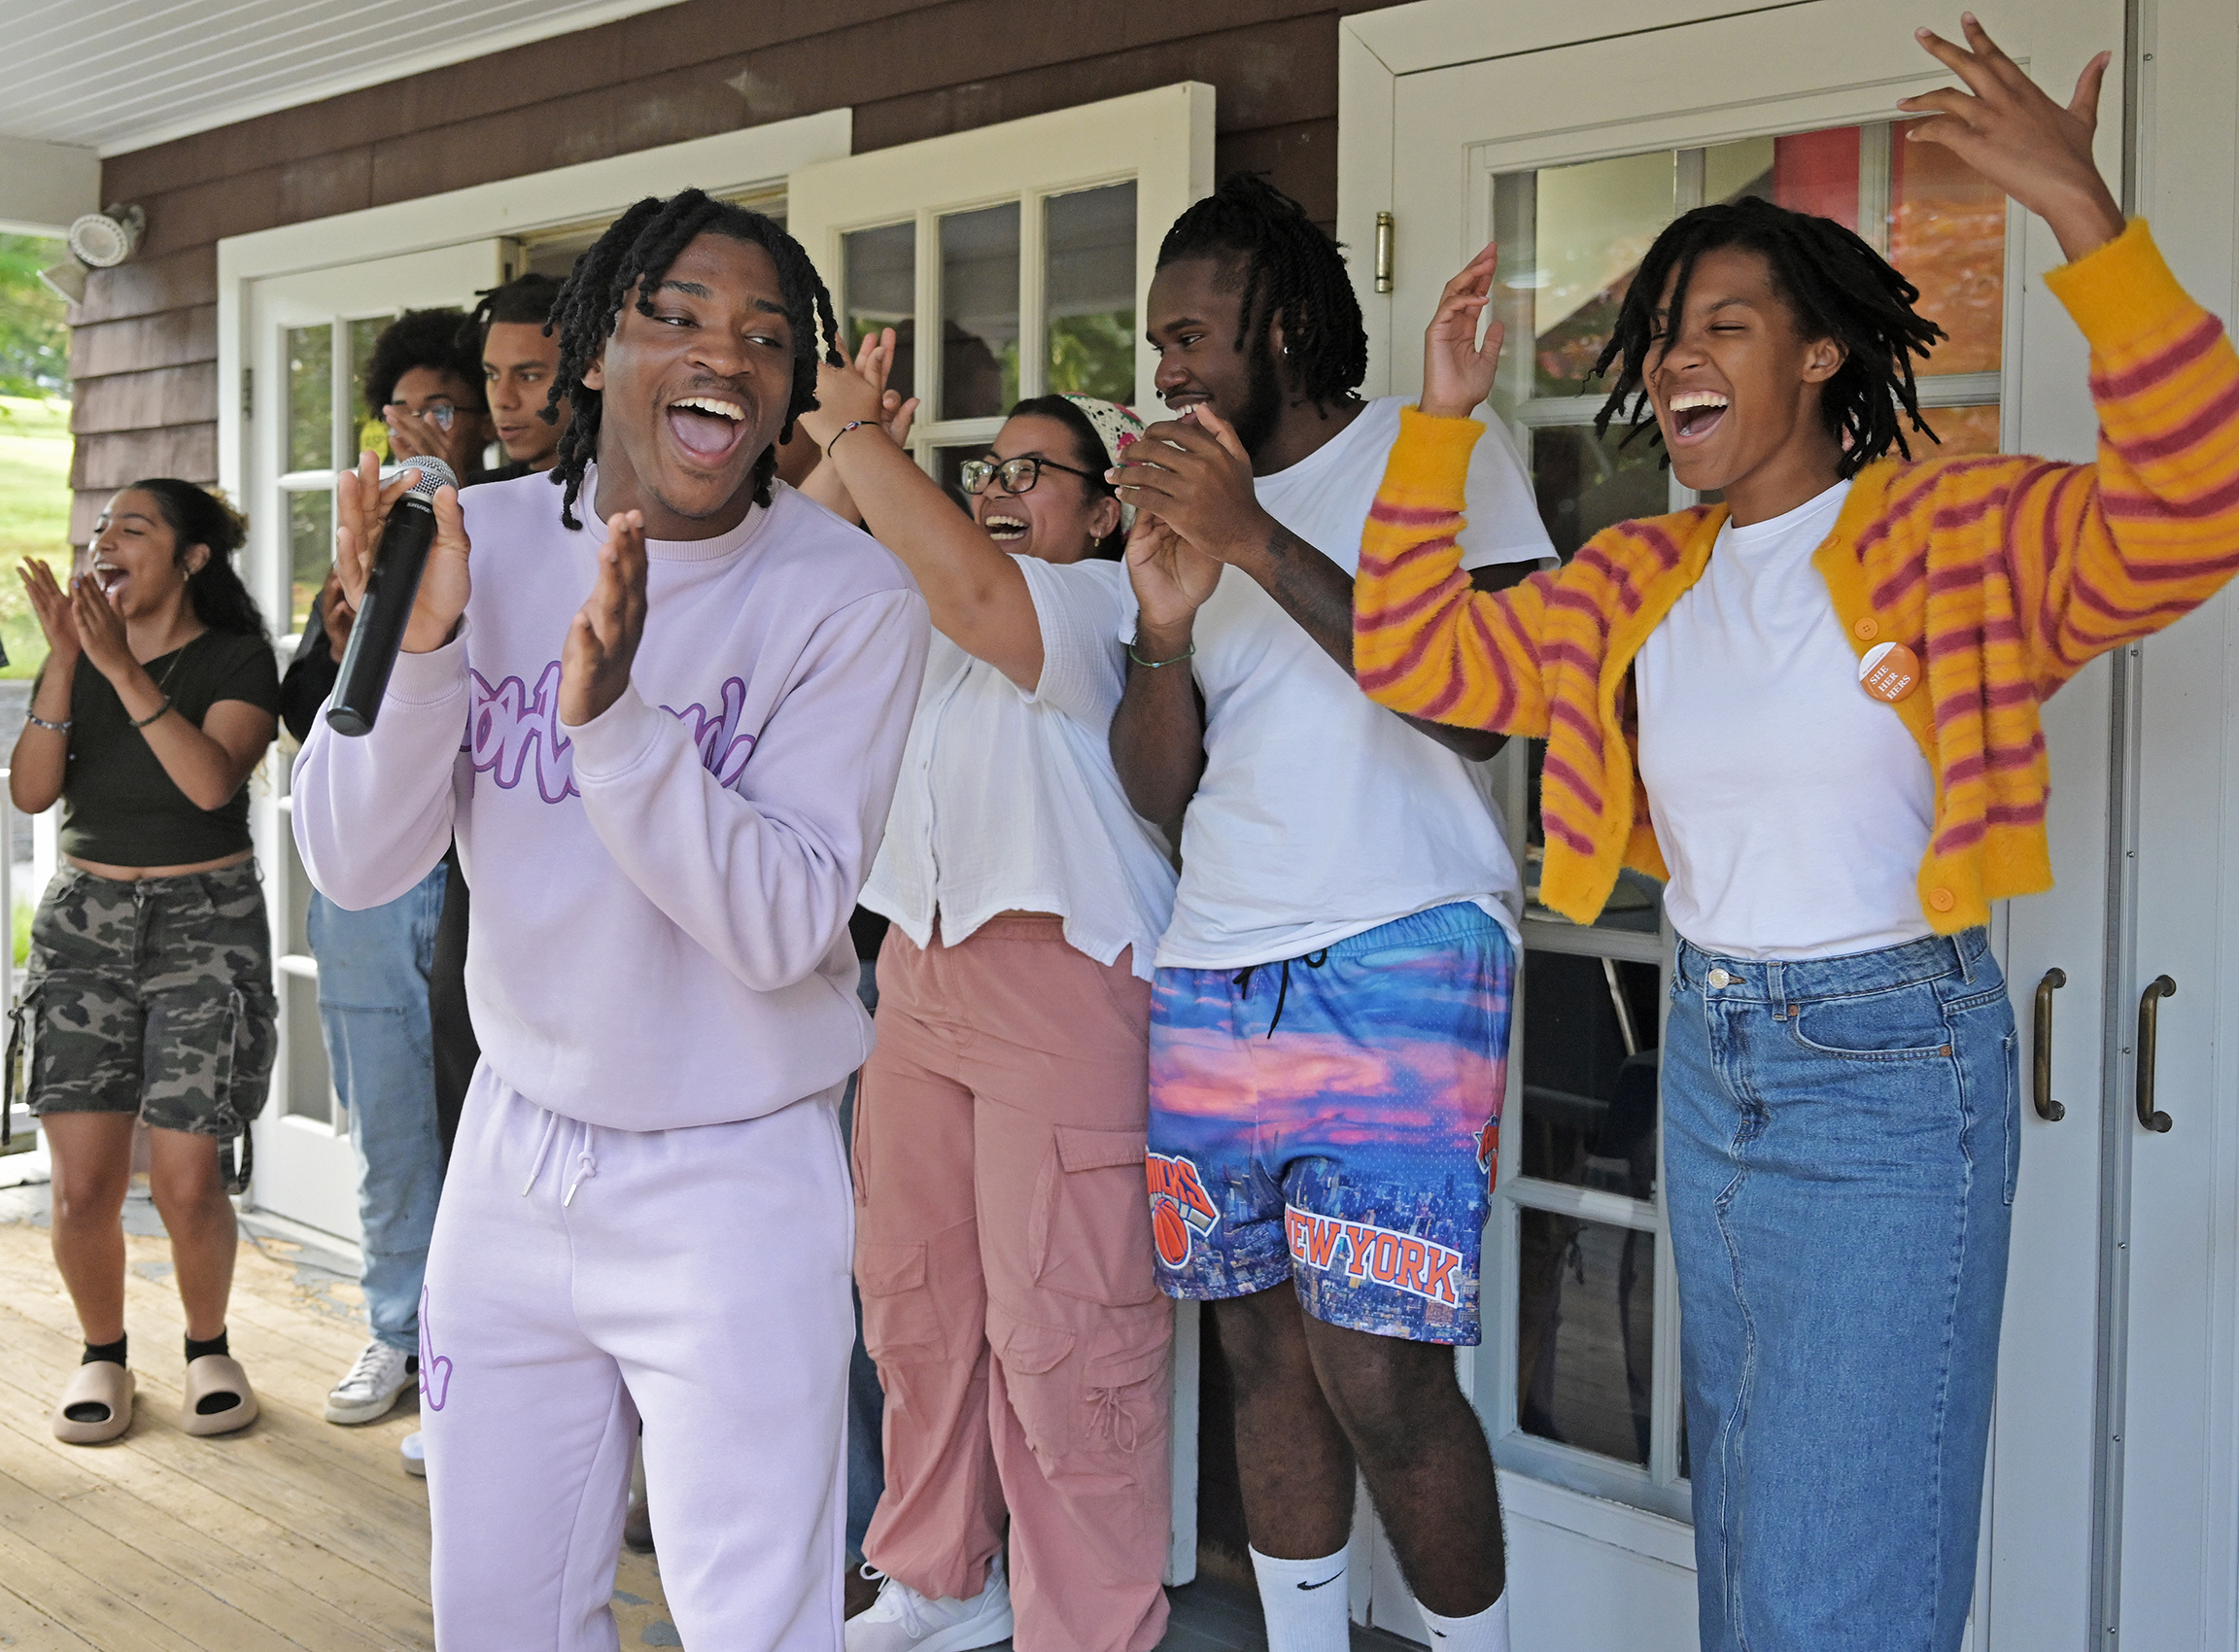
[[1162, 140]]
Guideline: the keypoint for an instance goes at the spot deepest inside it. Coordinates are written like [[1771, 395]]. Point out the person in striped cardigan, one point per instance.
[[1815, 709]]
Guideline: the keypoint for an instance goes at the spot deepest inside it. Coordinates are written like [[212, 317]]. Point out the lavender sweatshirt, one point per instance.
[[661, 896]]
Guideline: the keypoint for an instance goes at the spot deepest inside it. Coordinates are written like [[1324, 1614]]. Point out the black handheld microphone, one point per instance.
[[379, 631]]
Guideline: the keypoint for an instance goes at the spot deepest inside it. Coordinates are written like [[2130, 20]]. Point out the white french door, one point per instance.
[[306, 342], [1469, 122]]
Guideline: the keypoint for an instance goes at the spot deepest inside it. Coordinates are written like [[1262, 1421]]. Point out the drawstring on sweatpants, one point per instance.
[[586, 1167], [543, 1148], [1243, 982]]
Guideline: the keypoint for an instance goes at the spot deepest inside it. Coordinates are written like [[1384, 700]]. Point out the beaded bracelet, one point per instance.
[[153, 715], [34, 719], [851, 425], [1155, 663]]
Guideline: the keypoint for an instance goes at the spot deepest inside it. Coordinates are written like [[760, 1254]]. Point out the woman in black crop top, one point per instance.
[[148, 995]]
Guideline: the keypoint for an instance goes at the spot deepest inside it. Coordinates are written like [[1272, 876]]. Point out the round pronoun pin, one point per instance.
[[1889, 671]]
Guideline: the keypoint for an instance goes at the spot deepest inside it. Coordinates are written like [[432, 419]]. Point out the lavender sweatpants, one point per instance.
[[582, 1279]]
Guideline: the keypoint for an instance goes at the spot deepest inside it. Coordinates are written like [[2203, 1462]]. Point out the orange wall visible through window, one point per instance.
[[1817, 172], [1948, 234]]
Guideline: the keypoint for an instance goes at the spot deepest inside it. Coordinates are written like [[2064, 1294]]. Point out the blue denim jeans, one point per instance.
[[1840, 1137], [374, 1012], [866, 1399]]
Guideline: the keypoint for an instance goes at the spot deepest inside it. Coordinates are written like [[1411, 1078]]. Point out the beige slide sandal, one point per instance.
[[218, 1398], [99, 1386]]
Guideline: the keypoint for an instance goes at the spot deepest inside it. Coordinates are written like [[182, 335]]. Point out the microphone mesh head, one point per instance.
[[433, 474]]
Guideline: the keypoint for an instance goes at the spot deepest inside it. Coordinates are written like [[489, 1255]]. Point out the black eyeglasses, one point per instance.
[[1018, 475]]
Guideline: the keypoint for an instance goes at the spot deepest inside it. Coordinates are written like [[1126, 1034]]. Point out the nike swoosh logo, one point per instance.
[[1324, 1583]]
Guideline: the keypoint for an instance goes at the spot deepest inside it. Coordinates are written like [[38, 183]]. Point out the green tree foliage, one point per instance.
[[34, 342]]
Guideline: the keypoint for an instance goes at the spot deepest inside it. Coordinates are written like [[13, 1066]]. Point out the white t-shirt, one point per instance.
[[1793, 808], [1007, 801], [1320, 815]]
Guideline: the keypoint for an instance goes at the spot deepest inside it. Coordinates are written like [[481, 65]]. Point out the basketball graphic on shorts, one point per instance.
[[1170, 1233]]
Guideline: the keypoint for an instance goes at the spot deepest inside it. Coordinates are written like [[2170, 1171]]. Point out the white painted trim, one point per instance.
[[1621, 1526], [43, 186], [444, 51], [1445, 34]]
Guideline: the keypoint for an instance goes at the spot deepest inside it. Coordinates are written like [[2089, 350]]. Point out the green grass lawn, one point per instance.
[[34, 516]]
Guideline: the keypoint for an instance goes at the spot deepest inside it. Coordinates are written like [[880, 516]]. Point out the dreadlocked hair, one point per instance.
[[1293, 273], [631, 257], [1838, 287]]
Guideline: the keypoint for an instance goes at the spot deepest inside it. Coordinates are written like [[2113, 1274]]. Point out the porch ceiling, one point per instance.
[[118, 75]]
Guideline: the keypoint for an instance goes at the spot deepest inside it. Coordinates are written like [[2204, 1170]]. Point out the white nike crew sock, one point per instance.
[[1306, 1603], [1480, 1631]]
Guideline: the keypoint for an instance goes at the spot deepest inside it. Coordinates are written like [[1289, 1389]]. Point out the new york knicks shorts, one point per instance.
[[1333, 1121]]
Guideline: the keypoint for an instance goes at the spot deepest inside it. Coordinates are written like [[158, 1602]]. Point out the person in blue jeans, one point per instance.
[[424, 378]]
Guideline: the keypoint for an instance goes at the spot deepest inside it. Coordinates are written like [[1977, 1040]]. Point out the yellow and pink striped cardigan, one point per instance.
[[2005, 575]]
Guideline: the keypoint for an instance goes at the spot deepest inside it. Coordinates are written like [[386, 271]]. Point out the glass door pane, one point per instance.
[[980, 312], [1589, 227], [361, 428], [310, 435], [1592, 1028], [1948, 234], [310, 550], [1586, 1333], [1088, 291], [880, 274]]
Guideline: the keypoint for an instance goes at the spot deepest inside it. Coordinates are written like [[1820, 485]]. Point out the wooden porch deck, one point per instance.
[[294, 1536]]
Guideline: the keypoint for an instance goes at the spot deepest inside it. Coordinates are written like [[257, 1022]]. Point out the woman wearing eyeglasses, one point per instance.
[[1003, 1241]]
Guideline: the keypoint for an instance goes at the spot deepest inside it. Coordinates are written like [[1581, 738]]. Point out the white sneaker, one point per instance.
[[414, 1455], [371, 1387], [901, 1620]]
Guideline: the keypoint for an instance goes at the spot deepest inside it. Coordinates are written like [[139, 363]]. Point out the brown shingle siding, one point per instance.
[[910, 70]]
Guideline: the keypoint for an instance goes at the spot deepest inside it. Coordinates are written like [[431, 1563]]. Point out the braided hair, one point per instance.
[[1293, 273], [633, 256], [1836, 286]]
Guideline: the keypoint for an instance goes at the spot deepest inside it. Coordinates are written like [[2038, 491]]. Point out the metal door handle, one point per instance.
[[2148, 1026], [2049, 1110]]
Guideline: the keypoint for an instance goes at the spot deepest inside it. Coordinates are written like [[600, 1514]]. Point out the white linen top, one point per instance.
[[1007, 801], [1792, 807]]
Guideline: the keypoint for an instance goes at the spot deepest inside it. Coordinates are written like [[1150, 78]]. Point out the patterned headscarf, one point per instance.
[[1117, 429]]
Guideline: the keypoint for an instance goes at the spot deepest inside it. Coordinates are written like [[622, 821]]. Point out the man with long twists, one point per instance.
[[665, 800], [1329, 1019], [1814, 706]]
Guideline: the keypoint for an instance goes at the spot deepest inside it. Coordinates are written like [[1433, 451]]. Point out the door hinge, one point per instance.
[[1384, 234], [247, 393]]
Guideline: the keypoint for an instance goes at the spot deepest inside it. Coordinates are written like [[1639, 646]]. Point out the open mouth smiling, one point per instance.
[[1694, 414], [108, 576], [1004, 529], [707, 427]]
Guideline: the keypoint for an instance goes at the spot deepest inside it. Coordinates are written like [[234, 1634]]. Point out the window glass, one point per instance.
[[1959, 431], [1948, 234], [1589, 227], [310, 397], [1088, 286], [310, 550], [949, 470], [363, 333], [980, 312], [881, 278], [1586, 1333], [1590, 1061], [1585, 483]]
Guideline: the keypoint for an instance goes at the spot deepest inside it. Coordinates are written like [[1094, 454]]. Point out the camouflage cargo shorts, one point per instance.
[[153, 998]]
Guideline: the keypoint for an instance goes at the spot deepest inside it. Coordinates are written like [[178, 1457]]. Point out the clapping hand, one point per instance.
[[1172, 579], [1196, 477], [858, 393], [52, 604], [1456, 370], [100, 629], [603, 641]]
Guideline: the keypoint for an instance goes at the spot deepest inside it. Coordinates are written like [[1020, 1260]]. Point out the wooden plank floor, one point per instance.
[[293, 1533]]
